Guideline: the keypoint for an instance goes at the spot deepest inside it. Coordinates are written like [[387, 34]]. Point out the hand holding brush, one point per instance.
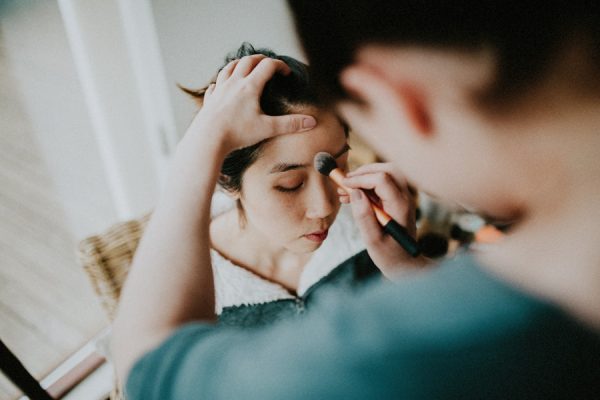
[[326, 165]]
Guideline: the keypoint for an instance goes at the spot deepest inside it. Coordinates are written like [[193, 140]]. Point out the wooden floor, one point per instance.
[[47, 306]]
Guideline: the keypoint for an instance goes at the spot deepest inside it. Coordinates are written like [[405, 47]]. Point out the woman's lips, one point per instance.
[[318, 236]]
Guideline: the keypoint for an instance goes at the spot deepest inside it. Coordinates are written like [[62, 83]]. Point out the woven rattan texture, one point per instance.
[[106, 259]]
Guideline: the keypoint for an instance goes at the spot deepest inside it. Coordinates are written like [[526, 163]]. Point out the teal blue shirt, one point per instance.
[[454, 333]]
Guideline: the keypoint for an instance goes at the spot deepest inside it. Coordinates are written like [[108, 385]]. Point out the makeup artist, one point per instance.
[[488, 105]]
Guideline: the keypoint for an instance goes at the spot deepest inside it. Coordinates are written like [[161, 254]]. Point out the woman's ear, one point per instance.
[[232, 194]]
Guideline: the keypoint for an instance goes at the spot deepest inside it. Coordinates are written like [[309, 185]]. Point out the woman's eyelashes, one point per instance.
[[342, 160], [285, 189]]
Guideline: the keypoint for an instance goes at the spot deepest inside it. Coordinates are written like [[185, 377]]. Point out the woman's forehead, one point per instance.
[[300, 148]]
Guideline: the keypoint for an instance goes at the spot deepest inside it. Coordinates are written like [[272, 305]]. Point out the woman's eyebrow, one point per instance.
[[283, 167]]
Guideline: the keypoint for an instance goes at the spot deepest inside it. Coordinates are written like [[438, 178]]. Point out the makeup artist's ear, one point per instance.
[[385, 96]]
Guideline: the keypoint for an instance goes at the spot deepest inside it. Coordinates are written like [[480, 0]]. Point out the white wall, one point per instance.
[[37, 50], [195, 36], [102, 39]]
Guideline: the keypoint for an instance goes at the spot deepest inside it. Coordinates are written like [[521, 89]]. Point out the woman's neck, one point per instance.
[[254, 252]]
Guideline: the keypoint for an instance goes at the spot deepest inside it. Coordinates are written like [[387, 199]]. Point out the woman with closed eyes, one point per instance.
[[279, 235]]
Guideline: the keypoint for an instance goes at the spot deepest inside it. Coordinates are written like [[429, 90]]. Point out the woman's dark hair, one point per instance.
[[281, 95], [525, 37]]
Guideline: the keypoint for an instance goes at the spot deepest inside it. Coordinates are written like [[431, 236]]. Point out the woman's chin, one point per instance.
[[305, 246], [314, 245]]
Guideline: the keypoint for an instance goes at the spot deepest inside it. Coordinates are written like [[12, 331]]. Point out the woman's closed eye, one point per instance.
[[289, 188]]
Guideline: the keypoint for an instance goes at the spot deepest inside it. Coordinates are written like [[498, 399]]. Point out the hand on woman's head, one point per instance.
[[232, 111]]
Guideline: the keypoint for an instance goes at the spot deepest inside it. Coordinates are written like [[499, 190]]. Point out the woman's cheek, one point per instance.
[[289, 210], [279, 214]]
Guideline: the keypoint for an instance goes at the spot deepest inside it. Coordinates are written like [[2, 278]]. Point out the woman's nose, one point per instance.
[[322, 200]]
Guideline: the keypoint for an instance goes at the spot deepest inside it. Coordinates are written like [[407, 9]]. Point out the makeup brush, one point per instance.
[[326, 165]]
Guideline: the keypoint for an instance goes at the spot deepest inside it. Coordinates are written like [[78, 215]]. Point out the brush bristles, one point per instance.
[[324, 163]]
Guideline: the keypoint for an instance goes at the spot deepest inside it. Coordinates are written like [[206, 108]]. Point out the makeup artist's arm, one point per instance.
[[171, 281], [399, 202]]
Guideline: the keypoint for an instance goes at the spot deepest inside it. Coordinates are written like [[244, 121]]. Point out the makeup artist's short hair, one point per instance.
[[283, 94], [525, 37]]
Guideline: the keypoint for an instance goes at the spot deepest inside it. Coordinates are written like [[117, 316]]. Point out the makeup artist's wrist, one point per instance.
[[406, 267], [204, 134], [220, 134]]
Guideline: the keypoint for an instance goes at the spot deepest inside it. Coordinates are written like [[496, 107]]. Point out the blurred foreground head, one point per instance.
[[474, 102]]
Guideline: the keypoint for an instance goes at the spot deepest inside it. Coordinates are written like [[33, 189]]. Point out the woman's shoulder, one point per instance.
[[220, 203], [221, 209], [220, 232], [223, 229]]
